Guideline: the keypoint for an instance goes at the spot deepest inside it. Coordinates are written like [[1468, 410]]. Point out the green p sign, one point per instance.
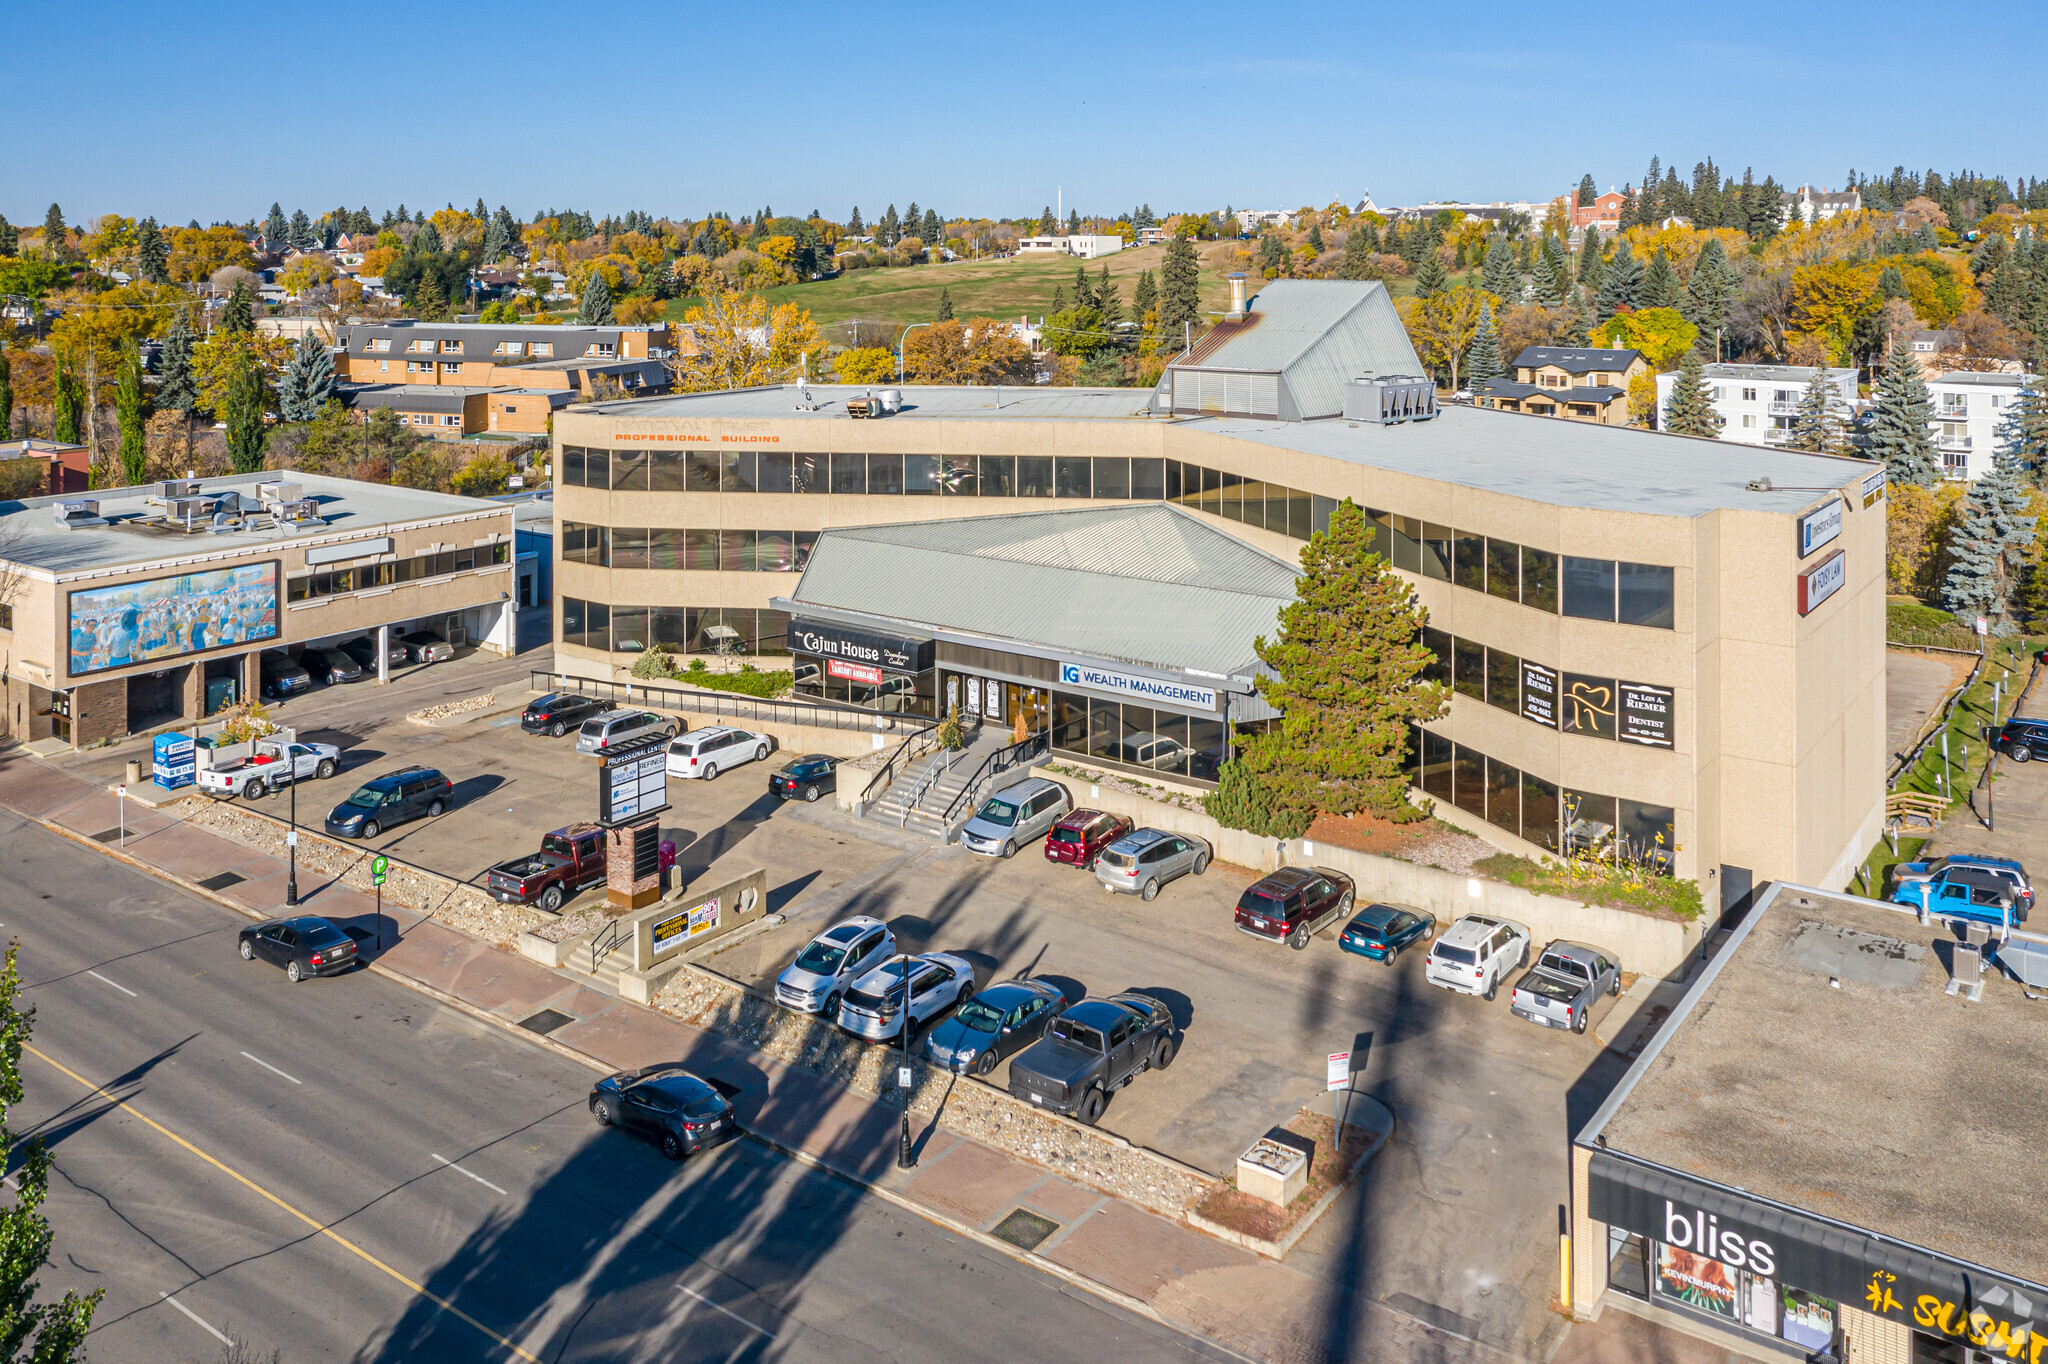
[[378, 866]]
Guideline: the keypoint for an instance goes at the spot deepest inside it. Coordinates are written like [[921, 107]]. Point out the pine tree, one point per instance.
[[1660, 283], [307, 381], [1347, 673], [1431, 278], [1620, 283], [10, 237], [1899, 419], [853, 223], [1360, 259], [1084, 292], [1315, 237], [1988, 545], [238, 315], [1242, 801], [2024, 431], [933, 233], [1482, 362], [595, 307], [945, 305], [128, 402], [1591, 267], [1706, 294], [1817, 429], [243, 413], [1107, 303], [152, 256], [56, 237], [300, 233], [1501, 278], [66, 403], [1688, 411], [274, 226], [1180, 306], [1048, 226], [6, 397], [1146, 296], [175, 388], [1587, 192]]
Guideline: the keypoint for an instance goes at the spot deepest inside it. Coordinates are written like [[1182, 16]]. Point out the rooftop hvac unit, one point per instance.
[[867, 406], [71, 515], [892, 400], [180, 487], [1389, 398], [277, 491], [189, 510], [292, 517]]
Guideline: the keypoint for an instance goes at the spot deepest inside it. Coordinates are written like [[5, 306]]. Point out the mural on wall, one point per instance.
[[167, 618]]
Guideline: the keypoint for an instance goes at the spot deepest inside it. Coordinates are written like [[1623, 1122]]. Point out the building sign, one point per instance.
[[671, 931], [1873, 488], [1130, 684], [165, 618], [853, 672], [1589, 705], [829, 641], [704, 917], [1539, 693], [1822, 581], [1646, 714], [1819, 526], [632, 781]]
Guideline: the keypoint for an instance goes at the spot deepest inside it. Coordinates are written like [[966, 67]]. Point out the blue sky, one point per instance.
[[178, 110]]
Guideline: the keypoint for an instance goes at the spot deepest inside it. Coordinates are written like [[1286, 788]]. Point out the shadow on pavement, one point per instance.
[[87, 1109]]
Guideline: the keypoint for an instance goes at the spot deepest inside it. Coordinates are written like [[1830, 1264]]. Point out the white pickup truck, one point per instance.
[[276, 763]]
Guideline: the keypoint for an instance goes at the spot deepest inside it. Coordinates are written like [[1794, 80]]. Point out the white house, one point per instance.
[[1085, 245], [1968, 408], [1818, 205], [1252, 219], [1759, 403]]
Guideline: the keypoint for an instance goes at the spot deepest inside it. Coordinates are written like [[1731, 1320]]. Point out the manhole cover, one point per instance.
[[546, 1021], [112, 835], [1025, 1230], [223, 881]]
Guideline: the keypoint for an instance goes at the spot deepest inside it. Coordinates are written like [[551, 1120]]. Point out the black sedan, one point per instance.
[[807, 777], [303, 947], [559, 712], [668, 1105], [1004, 1018], [331, 666], [363, 649]]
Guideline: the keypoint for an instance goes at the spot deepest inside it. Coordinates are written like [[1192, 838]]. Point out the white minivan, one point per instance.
[[718, 748]]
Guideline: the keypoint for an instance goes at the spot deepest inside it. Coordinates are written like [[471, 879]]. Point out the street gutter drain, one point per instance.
[[1025, 1230], [546, 1021], [112, 835], [223, 881]]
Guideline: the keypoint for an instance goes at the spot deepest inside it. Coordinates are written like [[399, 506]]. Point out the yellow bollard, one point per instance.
[[1564, 1273]]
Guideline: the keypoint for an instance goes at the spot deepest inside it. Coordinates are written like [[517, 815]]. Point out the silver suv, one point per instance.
[[1142, 861], [616, 727], [1014, 816], [816, 981]]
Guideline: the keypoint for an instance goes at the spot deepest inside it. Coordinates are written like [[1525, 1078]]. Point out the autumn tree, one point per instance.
[[131, 404], [1898, 426], [1661, 334], [1443, 325], [6, 396], [1829, 298], [741, 344], [1689, 411], [866, 364]]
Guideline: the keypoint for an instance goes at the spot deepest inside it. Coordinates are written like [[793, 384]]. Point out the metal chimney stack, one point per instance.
[[1236, 313]]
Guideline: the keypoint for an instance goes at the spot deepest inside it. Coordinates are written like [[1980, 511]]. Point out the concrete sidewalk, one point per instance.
[[1143, 1261]]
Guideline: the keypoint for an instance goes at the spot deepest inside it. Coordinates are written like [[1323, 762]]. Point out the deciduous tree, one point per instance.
[[130, 403], [869, 364], [1442, 327], [1661, 334]]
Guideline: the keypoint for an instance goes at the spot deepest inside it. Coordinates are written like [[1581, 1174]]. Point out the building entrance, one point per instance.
[[997, 702]]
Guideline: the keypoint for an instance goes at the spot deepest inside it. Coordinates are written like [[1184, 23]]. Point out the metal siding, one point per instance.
[[1265, 396]]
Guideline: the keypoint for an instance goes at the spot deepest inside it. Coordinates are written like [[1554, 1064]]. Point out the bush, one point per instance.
[[656, 662], [1242, 801], [749, 683], [1621, 889]]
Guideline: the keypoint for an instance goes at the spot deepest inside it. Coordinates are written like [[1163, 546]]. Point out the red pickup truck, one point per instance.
[[569, 860]]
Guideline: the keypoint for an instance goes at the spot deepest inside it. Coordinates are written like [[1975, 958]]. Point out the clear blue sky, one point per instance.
[[203, 110]]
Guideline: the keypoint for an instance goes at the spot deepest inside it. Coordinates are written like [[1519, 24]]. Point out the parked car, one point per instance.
[[1080, 837], [873, 1008], [1015, 816], [816, 981], [558, 712], [715, 749], [1475, 954], [280, 676], [666, 1104], [1972, 866], [1091, 1051], [1969, 893], [616, 727], [1381, 931], [1003, 1019], [425, 646], [363, 649], [1141, 862], [331, 666], [1294, 904], [274, 765], [305, 946], [1151, 750], [1559, 990], [390, 800], [570, 859], [808, 777], [2021, 738]]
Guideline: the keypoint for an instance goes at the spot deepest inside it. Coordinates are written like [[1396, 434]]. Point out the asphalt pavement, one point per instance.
[[344, 1169]]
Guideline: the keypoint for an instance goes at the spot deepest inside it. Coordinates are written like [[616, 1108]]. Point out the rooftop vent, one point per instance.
[[1760, 485], [1236, 313], [275, 491], [180, 487], [293, 517], [72, 515], [1389, 398]]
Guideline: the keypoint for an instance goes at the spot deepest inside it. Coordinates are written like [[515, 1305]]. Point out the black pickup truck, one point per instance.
[[1093, 1049], [569, 860]]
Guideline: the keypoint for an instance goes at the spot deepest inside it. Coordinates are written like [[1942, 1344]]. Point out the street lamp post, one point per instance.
[[899, 347], [291, 880], [905, 1158]]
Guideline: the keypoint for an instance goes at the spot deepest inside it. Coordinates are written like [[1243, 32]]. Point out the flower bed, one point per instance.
[[1595, 885]]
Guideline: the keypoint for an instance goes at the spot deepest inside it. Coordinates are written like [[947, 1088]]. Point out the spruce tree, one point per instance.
[[853, 223], [1660, 283], [1899, 419], [945, 305], [497, 242], [2023, 431], [886, 233], [1084, 292], [300, 234], [1587, 192], [594, 309], [1315, 237], [307, 381], [1502, 277], [1431, 278], [243, 413], [238, 315], [10, 237], [6, 396], [1073, 222], [1817, 429], [175, 388], [1620, 283], [1988, 545], [1553, 275], [1361, 259], [1180, 306], [1688, 411], [56, 238], [153, 258], [932, 232], [1706, 294], [1591, 266], [1146, 296], [913, 220], [1580, 330], [1482, 362], [129, 403], [427, 241], [1048, 226], [1107, 303], [274, 225]]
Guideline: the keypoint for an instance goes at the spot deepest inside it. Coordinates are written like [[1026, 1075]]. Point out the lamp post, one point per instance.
[[905, 1159], [291, 879], [899, 347]]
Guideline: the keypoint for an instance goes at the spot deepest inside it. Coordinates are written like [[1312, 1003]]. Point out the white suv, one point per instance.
[[1475, 954], [718, 748]]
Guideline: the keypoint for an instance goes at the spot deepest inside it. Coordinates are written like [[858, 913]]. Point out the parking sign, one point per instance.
[[378, 866], [1340, 1071]]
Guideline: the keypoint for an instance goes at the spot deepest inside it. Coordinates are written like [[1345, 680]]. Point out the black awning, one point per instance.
[[830, 639], [1903, 1283]]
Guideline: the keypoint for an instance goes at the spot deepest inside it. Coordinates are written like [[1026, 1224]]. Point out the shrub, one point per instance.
[[1242, 801]]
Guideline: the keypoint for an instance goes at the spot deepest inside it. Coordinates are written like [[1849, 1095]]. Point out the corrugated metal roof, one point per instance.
[[1316, 334], [1149, 585], [1009, 402]]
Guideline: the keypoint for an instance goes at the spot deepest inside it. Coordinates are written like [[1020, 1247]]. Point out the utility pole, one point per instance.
[[905, 1158], [291, 843]]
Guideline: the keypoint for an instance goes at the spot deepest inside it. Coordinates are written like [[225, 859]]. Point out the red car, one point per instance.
[[1294, 904], [1076, 839]]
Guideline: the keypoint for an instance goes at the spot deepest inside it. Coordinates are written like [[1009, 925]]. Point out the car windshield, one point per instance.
[[999, 812], [1457, 956], [321, 936], [979, 1016], [365, 798], [1080, 1034], [821, 957], [1536, 983]]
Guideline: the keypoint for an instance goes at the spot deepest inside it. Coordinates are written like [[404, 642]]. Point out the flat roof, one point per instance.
[[1883, 1104], [1544, 459], [348, 507]]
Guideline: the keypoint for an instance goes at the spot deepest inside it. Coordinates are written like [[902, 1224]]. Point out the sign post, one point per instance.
[[379, 865], [121, 796], [1339, 1077]]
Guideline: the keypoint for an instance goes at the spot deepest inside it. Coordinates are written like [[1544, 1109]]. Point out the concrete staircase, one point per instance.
[[934, 785], [582, 960]]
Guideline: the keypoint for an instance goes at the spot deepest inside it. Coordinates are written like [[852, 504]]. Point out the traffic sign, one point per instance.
[[122, 790], [378, 866], [1340, 1071], [903, 1077]]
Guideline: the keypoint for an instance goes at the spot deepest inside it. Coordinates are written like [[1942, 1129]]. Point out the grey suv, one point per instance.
[[1141, 862], [617, 727], [1014, 816]]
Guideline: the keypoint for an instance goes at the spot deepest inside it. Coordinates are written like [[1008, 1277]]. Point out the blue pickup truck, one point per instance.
[[1979, 889]]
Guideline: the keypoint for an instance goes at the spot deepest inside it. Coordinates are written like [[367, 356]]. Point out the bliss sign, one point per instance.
[[1703, 1234]]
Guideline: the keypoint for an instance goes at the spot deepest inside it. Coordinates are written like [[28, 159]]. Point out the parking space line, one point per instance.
[[727, 1312], [104, 981], [273, 1069], [459, 1170], [204, 1325]]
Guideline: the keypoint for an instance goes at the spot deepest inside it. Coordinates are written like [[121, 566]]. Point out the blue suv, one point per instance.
[[1980, 889]]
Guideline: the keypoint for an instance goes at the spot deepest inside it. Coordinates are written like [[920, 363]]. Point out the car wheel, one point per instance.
[[1162, 1051], [1009, 850], [711, 771], [1388, 960], [832, 1004], [985, 1064], [601, 1113], [672, 1146], [1493, 987], [255, 790], [1151, 890], [551, 899], [1091, 1107], [371, 829], [761, 753], [1525, 957], [966, 993], [248, 950], [292, 972], [1615, 988], [1579, 1023], [1201, 863], [811, 793], [1343, 905], [1298, 939], [325, 770], [2020, 753], [557, 730], [436, 810]]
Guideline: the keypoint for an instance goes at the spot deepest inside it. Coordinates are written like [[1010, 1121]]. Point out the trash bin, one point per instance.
[[133, 774]]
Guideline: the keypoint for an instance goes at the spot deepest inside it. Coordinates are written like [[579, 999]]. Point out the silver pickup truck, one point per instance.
[[275, 764]]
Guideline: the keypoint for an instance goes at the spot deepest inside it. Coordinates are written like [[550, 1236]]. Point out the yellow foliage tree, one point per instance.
[[457, 228], [1442, 326], [218, 359], [377, 260], [1917, 525], [1829, 298], [740, 344], [865, 365], [306, 272], [638, 309], [1661, 334], [197, 252]]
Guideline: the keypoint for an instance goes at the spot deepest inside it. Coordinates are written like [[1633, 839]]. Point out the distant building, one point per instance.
[[70, 466], [1818, 205], [508, 355], [1151, 236], [1604, 212], [1577, 383], [1759, 404], [1968, 408], [1252, 219], [1084, 244], [443, 411]]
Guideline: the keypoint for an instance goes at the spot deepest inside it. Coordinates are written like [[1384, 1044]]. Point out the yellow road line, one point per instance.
[[314, 1223]]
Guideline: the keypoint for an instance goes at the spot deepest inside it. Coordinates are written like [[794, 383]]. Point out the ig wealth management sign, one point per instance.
[[1173, 693]]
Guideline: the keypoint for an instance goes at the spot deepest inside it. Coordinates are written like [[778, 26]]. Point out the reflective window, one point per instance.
[[998, 475], [1468, 780], [956, 475], [1112, 478], [738, 471], [921, 475], [1539, 811], [666, 471], [1469, 561], [778, 473], [1539, 579], [1503, 681], [1504, 796], [1468, 674], [1148, 480], [1034, 476], [1589, 588], [1436, 551], [701, 471], [629, 470], [1071, 476], [1645, 595], [812, 473], [1504, 569], [572, 466], [849, 474], [885, 474]]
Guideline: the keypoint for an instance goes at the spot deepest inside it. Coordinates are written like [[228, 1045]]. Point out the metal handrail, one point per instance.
[[879, 784], [823, 714], [938, 767], [993, 766], [605, 943]]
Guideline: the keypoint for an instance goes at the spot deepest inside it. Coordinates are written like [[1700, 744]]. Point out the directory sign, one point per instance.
[[632, 781]]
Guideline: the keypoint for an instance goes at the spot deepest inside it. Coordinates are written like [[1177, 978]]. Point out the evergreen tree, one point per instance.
[[1180, 306], [1048, 226], [1501, 277], [67, 404], [1107, 303], [152, 256], [175, 388], [1706, 294], [1925, 240], [933, 232], [1988, 545], [2023, 432], [10, 237], [1688, 411], [913, 220], [1580, 332], [1315, 237], [238, 315], [1648, 209], [1817, 429], [497, 242], [1360, 259], [886, 231], [1591, 267], [853, 223], [300, 233], [1084, 292], [1242, 801], [243, 413], [1431, 278], [427, 242], [1892, 284], [6, 397], [307, 381], [2005, 297], [1482, 362], [1272, 255], [945, 305], [274, 226], [1347, 672], [1660, 283], [1587, 192], [1073, 222], [1146, 296], [1059, 298], [594, 309], [56, 237], [1899, 419], [1620, 283], [128, 402]]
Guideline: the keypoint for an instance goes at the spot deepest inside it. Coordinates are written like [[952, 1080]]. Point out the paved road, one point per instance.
[[345, 1170]]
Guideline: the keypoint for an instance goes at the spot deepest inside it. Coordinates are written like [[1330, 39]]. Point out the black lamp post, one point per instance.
[[291, 880], [905, 1159]]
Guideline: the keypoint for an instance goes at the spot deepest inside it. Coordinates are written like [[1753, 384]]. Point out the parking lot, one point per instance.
[[1462, 1218]]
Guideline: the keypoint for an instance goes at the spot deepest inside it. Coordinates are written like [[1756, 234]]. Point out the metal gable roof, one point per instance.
[[1315, 334]]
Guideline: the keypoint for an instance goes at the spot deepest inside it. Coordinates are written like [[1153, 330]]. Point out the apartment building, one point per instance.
[[1811, 205], [1086, 245], [1577, 383], [583, 360], [1759, 404], [1968, 408]]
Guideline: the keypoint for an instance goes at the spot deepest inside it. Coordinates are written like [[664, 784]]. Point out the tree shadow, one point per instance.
[[788, 891], [89, 1108], [693, 861], [1177, 1004]]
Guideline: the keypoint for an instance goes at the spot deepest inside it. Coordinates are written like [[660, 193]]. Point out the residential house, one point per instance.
[[1759, 404], [70, 466], [1573, 382], [508, 355], [1968, 408], [1940, 351], [526, 411], [1151, 236], [1086, 245], [1818, 205], [1252, 219]]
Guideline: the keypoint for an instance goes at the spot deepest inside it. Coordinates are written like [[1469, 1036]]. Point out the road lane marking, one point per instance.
[[273, 1069], [122, 988], [459, 1170], [308, 1219], [734, 1315], [203, 1324]]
